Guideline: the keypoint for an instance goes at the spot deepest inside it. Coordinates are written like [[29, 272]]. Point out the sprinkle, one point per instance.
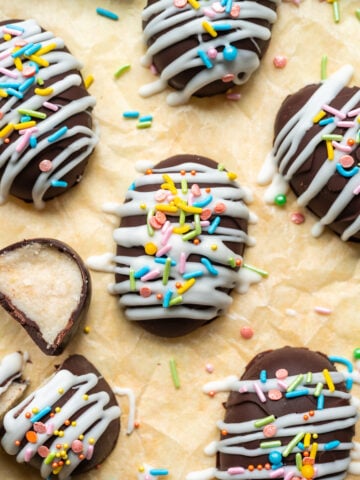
[[343, 361], [246, 332], [107, 13], [174, 373], [194, 3], [51, 106], [6, 131], [292, 444], [297, 217], [44, 92], [132, 280], [259, 392], [121, 70], [295, 383], [167, 298], [320, 402], [141, 272], [182, 262], [31, 436], [89, 80], [48, 460], [47, 48], [195, 274], [209, 368], [263, 376], [175, 301], [347, 173], [142, 125], [318, 389], [346, 124], [209, 266], [214, 224], [336, 11], [280, 61], [313, 450], [32, 113], [261, 272], [326, 121], [264, 421], [280, 199], [329, 150], [24, 125], [319, 116], [58, 134], [322, 310], [146, 118], [164, 250], [14, 93], [328, 380], [331, 445], [186, 286], [166, 272], [297, 393], [158, 471], [235, 470], [354, 113], [233, 96], [205, 59], [334, 111], [222, 27], [209, 29], [59, 183], [270, 444], [323, 67], [40, 414], [164, 260]]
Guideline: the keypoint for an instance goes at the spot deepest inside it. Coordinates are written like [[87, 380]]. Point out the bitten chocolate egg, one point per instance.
[[46, 128], [180, 243], [76, 401], [290, 415], [316, 152], [204, 48], [46, 287]]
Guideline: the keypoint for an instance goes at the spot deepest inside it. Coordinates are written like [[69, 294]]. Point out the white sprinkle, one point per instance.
[[322, 310]]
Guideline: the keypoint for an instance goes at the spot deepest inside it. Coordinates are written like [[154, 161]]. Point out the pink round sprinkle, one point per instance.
[[297, 217], [274, 394], [246, 332], [209, 368], [235, 10], [229, 77], [212, 53], [205, 214], [195, 190], [154, 223], [217, 7], [20, 42], [160, 195], [347, 161], [43, 451], [29, 71], [145, 292], [160, 217], [40, 427], [280, 61], [281, 373], [269, 430], [77, 446], [180, 3], [45, 165], [220, 207]]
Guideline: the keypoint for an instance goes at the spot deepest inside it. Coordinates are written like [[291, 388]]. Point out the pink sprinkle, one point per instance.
[[89, 452], [180, 3], [6, 53], [354, 113], [45, 165], [77, 446], [39, 427], [233, 96], [235, 470], [28, 454], [280, 61], [8, 73], [163, 251], [347, 161], [235, 11], [166, 235], [290, 475], [282, 384], [243, 389], [212, 53], [23, 142], [29, 71], [217, 7], [20, 42], [151, 275], [50, 428], [145, 292], [154, 223], [246, 332], [345, 124], [281, 374], [259, 392], [190, 199], [209, 13], [229, 77], [322, 310], [205, 214], [11, 31], [43, 451], [204, 223], [182, 262], [297, 217], [357, 190], [209, 368], [153, 69], [279, 472], [341, 147], [269, 430], [334, 111], [165, 226], [51, 106], [195, 190], [274, 394]]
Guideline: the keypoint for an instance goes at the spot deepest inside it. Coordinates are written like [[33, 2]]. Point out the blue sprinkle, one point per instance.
[[342, 360], [27, 84], [214, 225], [326, 121], [301, 446], [141, 272], [203, 203], [195, 274], [222, 27], [297, 393], [33, 141], [347, 173], [158, 472], [349, 383], [320, 402], [205, 58], [230, 53], [14, 93], [107, 13], [40, 414], [228, 6], [22, 50], [132, 186], [209, 266], [59, 183], [15, 27], [146, 118], [131, 114], [263, 376], [162, 260], [10, 84], [167, 298], [25, 118], [59, 133], [32, 49], [331, 445]]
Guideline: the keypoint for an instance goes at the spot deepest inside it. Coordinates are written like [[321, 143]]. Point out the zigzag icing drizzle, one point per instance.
[[235, 15], [148, 292], [291, 135], [11, 367], [54, 426], [16, 81], [297, 426]]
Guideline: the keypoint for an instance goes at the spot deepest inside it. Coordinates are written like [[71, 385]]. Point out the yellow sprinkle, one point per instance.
[[85, 397], [24, 125], [143, 206], [181, 230], [194, 3], [44, 91], [46, 49], [60, 390], [313, 450], [319, 116], [209, 28], [188, 284], [81, 437], [7, 37], [35, 410], [91, 441], [73, 424], [57, 470], [68, 462], [330, 150], [89, 80], [3, 93], [186, 208], [170, 187], [214, 247], [57, 409], [87, 329], [307, 439], [6, 131], [328, 380], [232, 176], [166, 208], [141, 469], [40, 61], [18, 64], [150, 248]]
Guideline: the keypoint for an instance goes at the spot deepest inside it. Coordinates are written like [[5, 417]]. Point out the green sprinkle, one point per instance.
[[323, 71], [295, 383], [298, 461], [270, 444], [335, 137], [182, 218], [166, 272], [261, 272], [40, 81], [357, 13], [292, 444], [150, 214], [318, 389], [174, 373], [308, 377], [190, 235], [132, 280], [122, 70], [336, 11], [184, 186], [32, 113], [50, 458], [221, 167], [264, 421], [232, 262], [176, 301], [142, 125]]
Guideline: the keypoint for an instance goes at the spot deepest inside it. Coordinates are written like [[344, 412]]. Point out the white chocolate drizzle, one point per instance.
[[172, 25], [323, 420], [292, 134], [31, 141], [77, 436], [164, 282], [11, 368]]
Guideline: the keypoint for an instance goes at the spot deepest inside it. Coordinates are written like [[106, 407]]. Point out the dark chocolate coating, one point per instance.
[[64, 336], [175, 327], [242, 407], [167, 55], [302, 178], [24, 182]]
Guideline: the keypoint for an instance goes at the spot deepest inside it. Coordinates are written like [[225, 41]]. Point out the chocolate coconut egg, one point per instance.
[[291, 415], [180, 245], [316, 152], [204, 48], [46, 127]]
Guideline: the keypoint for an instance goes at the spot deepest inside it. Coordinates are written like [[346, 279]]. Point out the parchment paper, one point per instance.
[[304, 273]]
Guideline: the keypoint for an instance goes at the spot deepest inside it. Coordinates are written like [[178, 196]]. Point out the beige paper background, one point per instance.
[[303, 272]]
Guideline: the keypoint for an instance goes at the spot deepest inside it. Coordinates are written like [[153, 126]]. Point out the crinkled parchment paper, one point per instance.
[[304, 273]]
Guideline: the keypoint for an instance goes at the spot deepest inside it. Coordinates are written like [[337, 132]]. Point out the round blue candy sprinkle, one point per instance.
[[230, 53]]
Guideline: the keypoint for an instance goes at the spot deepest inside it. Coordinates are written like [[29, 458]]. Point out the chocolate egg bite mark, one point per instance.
[[12, 383], [202, 48], [179, 245], [74, 414], [46, 287], [316, 152], [289, 416], [46, 131]]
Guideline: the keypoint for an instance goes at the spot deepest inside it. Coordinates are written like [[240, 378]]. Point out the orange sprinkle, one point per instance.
[[267, 466], [159, 296], [28, 415], [251, 468], [196, 241], [208, 190], [224, 432], [136, 424], [149, 171], [193, 172], [311, 413], [31, 436], [17, 442], [350, 142], [238, 262], [182, 172], [259, 467], [306, 417], [67, 422], [211, 393]]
